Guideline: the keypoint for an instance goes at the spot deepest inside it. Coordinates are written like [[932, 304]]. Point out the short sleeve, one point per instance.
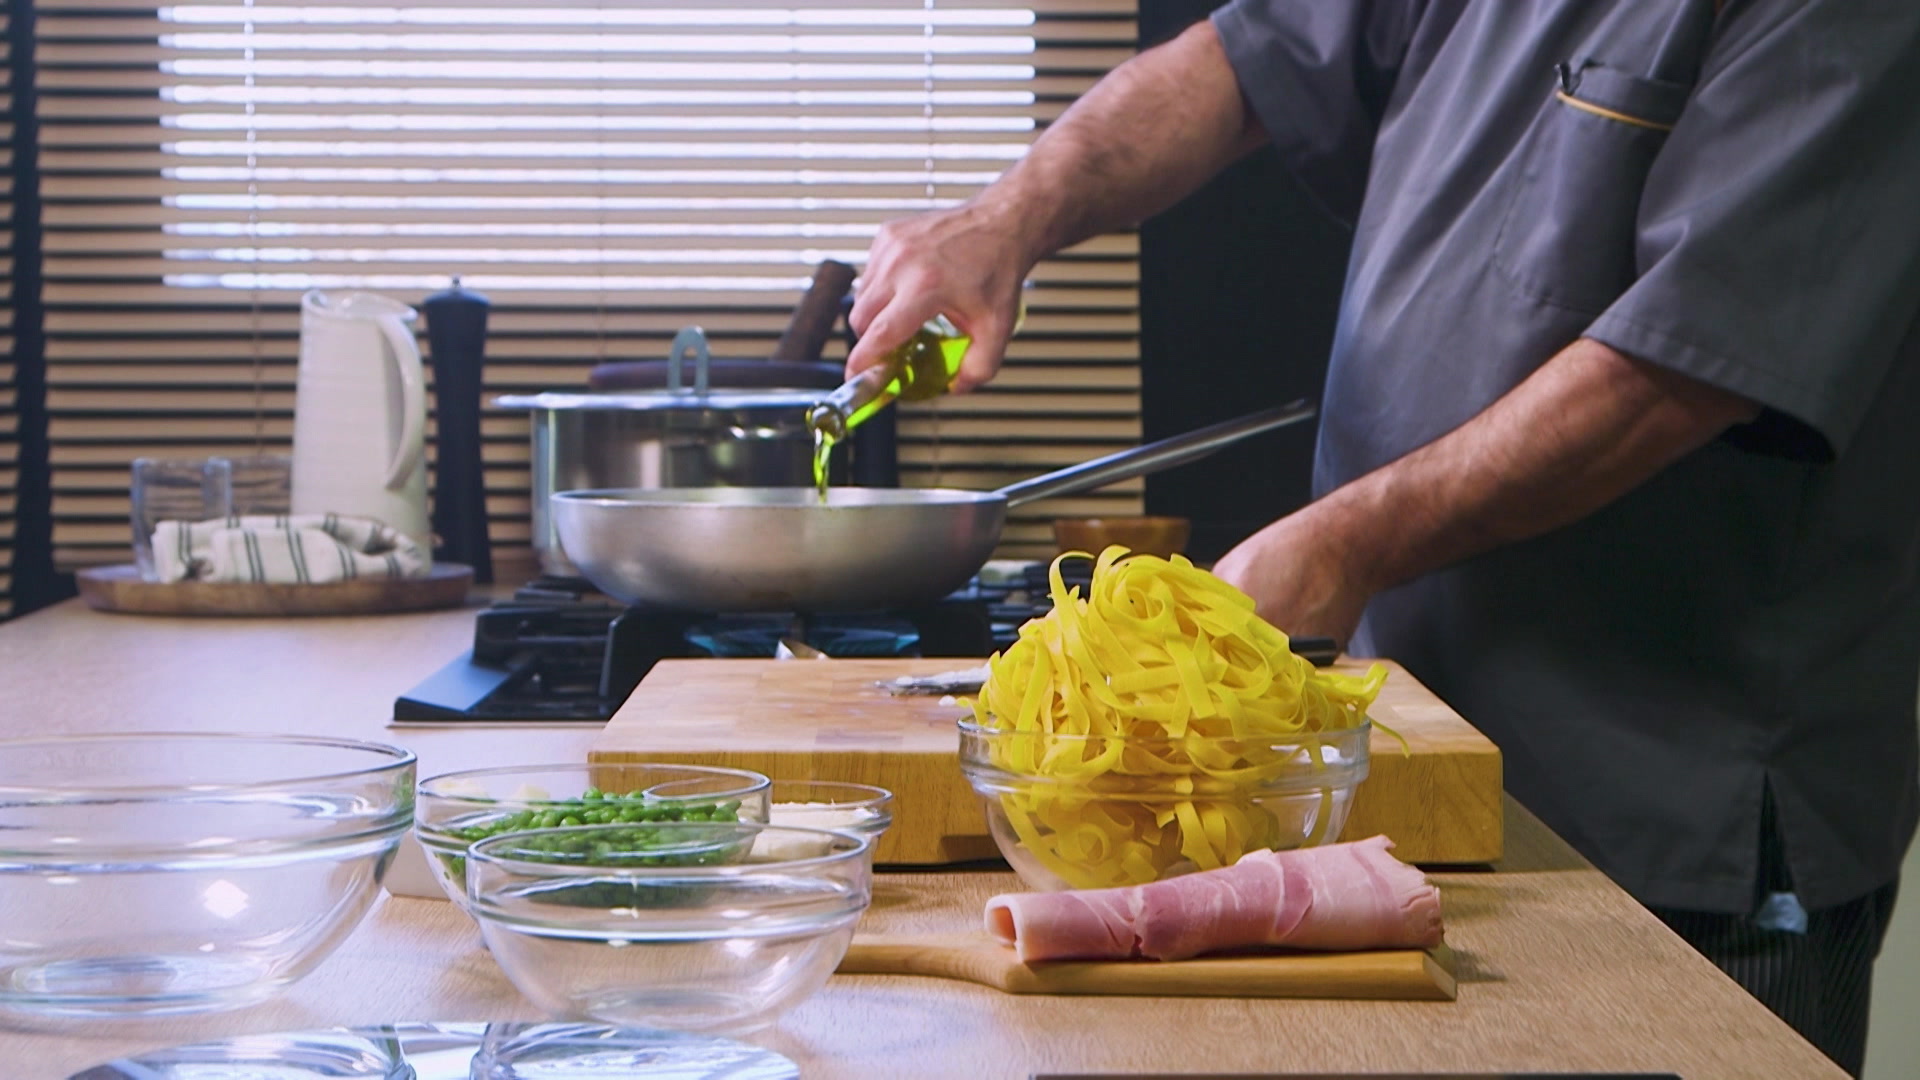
[[1778, 234], [1318, 74]]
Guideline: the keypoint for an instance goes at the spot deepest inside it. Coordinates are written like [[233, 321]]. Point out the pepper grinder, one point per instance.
[[457, 338]]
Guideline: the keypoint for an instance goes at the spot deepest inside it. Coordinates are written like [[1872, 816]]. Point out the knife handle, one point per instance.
[[812, 323]]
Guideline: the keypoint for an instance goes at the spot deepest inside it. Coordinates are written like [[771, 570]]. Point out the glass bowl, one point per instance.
[[1093, 811], [146, 874], [459, 808], [829, 804], [677, 925]]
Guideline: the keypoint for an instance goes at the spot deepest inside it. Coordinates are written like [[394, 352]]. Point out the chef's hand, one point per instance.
[[1300, 578], [966, 263]]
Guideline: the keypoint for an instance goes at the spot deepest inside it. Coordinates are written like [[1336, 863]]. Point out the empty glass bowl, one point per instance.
[[676, 925], [1094, 811], [829, 804], [146, 874], [459, 808]]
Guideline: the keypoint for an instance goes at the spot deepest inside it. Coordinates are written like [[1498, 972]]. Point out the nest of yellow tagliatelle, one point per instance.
[[1157, 725]]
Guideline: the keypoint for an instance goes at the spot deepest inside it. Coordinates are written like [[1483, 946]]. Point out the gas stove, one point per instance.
[[558, 651]]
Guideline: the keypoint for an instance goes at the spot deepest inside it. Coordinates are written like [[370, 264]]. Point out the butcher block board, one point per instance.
[[827, 720], [1384, 975], [122, 589]]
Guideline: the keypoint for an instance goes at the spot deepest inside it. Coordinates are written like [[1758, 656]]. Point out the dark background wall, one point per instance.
[[35, 584], [1239, 286]]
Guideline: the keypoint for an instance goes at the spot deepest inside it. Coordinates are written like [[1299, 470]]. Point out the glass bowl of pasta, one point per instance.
[[1096, 811], [1154, 724]]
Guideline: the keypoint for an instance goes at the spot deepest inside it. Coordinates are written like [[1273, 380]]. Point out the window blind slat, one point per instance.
[[775, 294], [513, 243], [1095, 373], [513, 363], [67, 397], [136, 21], [864, 136], [571, 86], [328, 184], [180, 328], [92, 118], [890, 59], [616, 215], [519, 11], [745, 18], [403, 262]]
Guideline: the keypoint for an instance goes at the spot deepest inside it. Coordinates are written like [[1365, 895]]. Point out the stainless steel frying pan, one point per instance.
[[863, 549]]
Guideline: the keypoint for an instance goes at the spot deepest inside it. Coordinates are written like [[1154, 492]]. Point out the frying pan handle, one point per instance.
[[1155, 456]]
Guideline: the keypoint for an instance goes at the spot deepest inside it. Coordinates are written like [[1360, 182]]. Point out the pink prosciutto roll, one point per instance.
[[1339, 897]]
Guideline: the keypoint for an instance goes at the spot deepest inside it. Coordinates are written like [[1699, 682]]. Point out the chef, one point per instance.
[[1620, 443]]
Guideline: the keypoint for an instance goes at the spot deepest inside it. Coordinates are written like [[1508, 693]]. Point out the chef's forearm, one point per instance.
[[1146, 136], [1586, 428]]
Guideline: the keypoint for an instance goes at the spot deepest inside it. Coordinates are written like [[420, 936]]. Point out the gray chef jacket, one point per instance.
[[1730, 193]]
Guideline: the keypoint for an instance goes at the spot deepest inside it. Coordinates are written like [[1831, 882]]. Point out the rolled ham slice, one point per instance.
[[1339, 897]]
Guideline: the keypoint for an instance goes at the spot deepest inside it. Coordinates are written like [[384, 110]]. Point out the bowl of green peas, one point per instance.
[[627, 803]]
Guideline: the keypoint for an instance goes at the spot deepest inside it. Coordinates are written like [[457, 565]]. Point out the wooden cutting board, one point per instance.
[[827, 720], [1388, 974], [121, 589]]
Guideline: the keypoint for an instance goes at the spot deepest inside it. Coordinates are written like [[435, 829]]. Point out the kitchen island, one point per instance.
[[1559, 970]]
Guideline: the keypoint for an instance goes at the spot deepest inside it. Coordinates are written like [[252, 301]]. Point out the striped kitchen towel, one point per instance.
[[302, 549]]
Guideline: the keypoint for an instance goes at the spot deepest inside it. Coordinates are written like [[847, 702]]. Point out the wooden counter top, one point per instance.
[[1560, 971]]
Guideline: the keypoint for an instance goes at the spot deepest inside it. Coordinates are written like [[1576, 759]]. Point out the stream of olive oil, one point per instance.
[[822, 449]]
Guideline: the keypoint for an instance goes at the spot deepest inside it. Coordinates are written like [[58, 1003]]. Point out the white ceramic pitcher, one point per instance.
[[360, 413]]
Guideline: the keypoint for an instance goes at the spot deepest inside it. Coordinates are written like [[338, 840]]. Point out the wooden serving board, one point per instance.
[[121, 589], [827, 720], [1388, 974]]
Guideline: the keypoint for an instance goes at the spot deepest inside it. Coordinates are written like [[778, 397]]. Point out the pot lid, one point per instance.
[[725, 373]]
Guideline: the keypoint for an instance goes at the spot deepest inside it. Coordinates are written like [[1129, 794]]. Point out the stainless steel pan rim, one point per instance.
[[648, 400], [806, 500]]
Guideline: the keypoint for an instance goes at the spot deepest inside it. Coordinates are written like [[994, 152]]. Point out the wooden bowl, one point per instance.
[[1162, 536]]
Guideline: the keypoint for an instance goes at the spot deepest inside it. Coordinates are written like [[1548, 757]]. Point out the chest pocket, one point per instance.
[[1566, 237]]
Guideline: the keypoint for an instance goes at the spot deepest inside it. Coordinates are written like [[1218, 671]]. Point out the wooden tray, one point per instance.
[[121, 589], [826, 720], [1388, 974]]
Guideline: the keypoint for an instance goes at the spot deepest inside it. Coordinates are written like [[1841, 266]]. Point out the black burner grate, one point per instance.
[[560, 651]]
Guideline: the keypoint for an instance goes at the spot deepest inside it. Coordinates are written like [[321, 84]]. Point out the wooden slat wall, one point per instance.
[[9, 403], [605, 172]]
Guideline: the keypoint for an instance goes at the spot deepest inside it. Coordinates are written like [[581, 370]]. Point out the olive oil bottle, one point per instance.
[[919, 370]]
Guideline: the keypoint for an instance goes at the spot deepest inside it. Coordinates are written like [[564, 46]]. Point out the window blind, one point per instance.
[[605, 172]]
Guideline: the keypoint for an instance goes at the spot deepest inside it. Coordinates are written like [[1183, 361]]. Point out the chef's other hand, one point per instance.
[[1299, 581], [966, 263]]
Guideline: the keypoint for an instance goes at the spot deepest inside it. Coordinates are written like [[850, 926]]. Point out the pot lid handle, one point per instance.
[[692, 340]]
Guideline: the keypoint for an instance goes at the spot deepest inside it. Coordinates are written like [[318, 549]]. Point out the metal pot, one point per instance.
[[680, 437]]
